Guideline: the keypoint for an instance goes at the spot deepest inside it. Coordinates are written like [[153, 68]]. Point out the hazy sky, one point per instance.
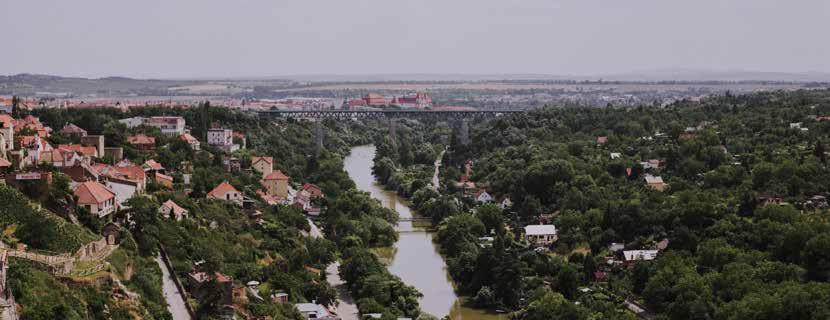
[[232, 38]]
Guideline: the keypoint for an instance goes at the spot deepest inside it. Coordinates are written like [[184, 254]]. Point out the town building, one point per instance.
[[631, 256], [191, 141], [655, 182], [276, 184], [71, 129], [226, 192], [61, 158], [419, 100], [96, 198], [143, 142], [263, 165], [198, 290], [481, 196], [373, 99], [541, 234], [96, 141], [315, 311], [151, 167], [87, 152], [171, 209], [168, 125], [7, 131], [164, 180], [222, 139]]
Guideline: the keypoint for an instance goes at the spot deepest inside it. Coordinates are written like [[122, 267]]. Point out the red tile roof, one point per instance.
[[276, 175], [140, 139], [72, 128], [188, 138], [164, 177], [254, 160], [92, 192], [88, 151], [4, 163], [222, 189], [153, 165]]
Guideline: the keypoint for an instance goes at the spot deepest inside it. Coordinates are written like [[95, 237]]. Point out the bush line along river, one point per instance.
[[416, 259]]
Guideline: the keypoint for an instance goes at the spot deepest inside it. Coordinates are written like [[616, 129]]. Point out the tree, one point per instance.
[[817, 257], [552, 305]]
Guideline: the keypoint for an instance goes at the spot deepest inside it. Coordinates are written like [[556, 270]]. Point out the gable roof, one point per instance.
[[276, 175], [186, 137], [177, 210], [4, 163], [72, 128], [153, 165], [480, 192], [269, 160], [92, 192], [654, 179], [89, 151], [141, 139], [222, 189], [164, 177]]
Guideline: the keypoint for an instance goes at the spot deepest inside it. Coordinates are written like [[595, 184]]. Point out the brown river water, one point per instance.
[[414, 258]]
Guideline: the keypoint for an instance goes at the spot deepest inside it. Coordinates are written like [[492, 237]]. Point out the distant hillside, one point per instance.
[[32, 83]]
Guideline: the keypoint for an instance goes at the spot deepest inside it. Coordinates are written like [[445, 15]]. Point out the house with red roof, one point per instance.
[[190, 140], [226, 192], [96, 198], [313, 190], [61, 158], [143, 142], [263, 165], [164, 180], [276, 184], [83, 150], [70, 129], [171, 209]]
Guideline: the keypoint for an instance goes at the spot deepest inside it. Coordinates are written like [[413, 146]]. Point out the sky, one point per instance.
[[269, 38]]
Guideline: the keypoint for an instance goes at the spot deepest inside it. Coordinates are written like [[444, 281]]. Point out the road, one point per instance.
[[346, 307], [175, 303]]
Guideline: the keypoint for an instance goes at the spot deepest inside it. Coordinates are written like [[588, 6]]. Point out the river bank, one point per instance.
[[416, 259]]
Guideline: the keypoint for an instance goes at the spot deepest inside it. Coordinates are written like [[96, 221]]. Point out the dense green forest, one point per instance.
[[742, 210]]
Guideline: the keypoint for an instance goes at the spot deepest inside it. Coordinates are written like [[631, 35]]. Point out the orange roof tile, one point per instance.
[[254, 160], [276, 175], [92, 192], [88, 151], [141, 139], [222, 189]]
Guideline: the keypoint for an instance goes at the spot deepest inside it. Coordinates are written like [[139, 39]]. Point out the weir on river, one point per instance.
[[416, 258]]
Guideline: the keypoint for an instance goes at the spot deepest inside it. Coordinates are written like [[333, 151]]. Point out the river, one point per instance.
[[416, 259]]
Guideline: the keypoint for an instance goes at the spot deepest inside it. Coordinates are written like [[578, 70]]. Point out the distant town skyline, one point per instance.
[[256, 38]]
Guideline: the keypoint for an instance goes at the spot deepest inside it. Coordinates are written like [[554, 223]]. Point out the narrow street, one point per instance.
[[175, 303], [346, 307]]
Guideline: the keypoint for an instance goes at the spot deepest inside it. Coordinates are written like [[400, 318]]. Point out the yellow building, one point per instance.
[[276, 184], [263, 165]]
